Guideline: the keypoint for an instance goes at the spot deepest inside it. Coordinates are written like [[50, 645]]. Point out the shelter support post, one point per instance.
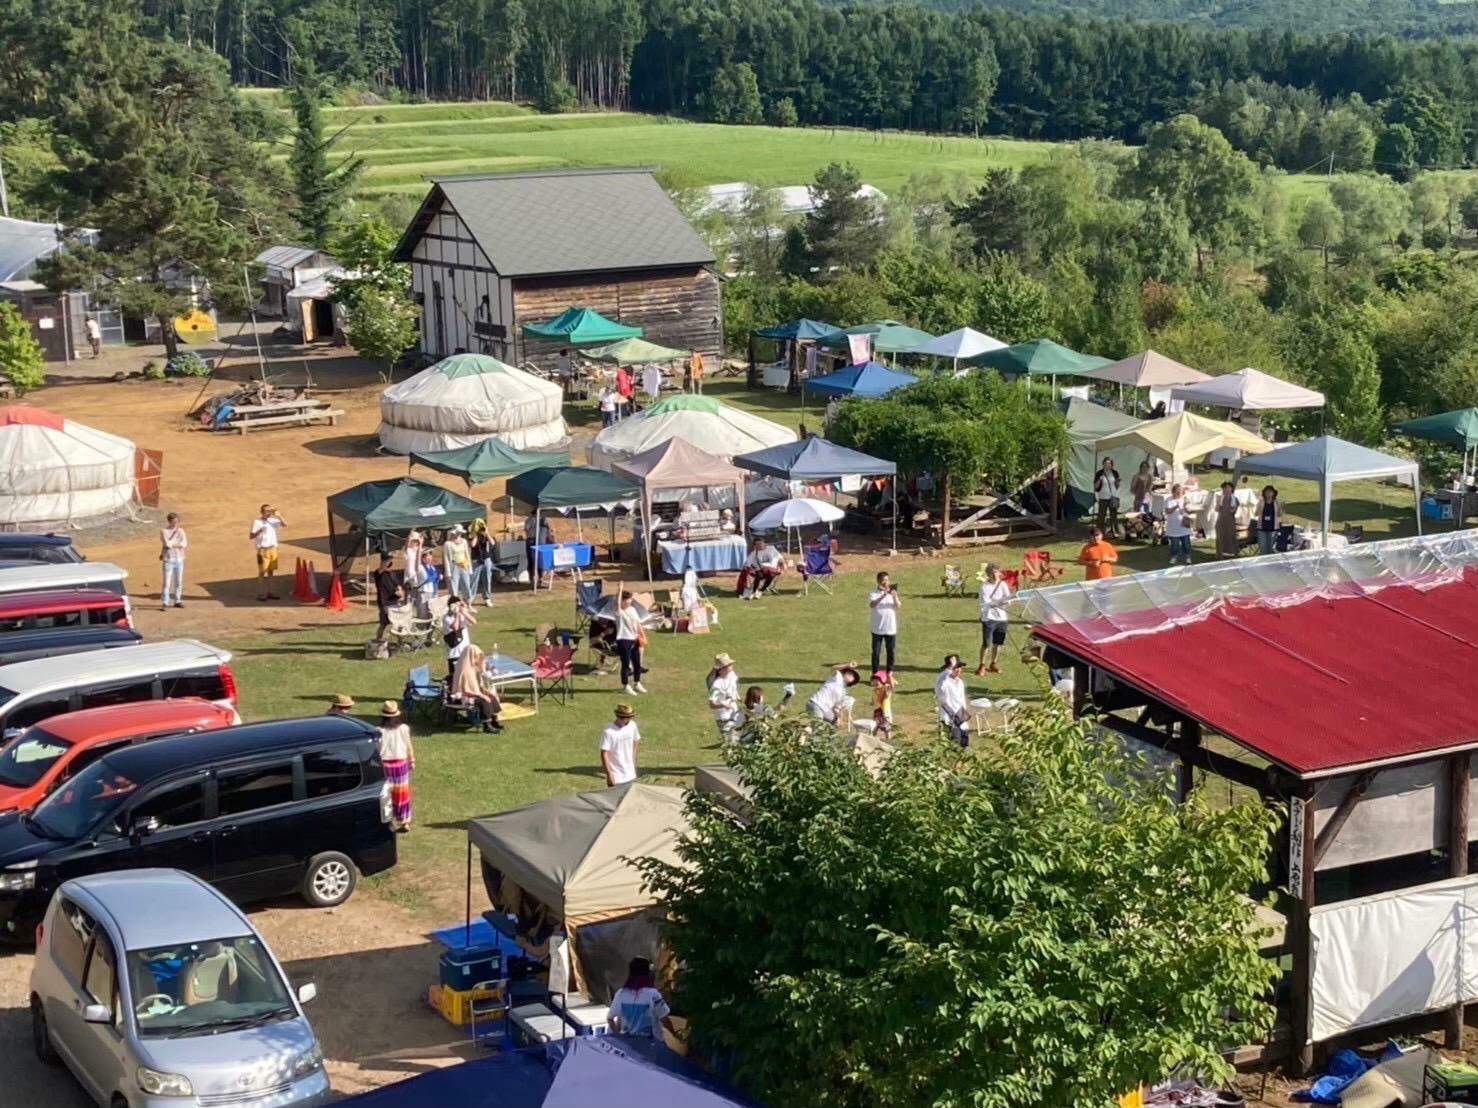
[[1301, 868], [894, 547], [1189, 736], [1081, 677], [1416, 491], [1458, 778], [467, 926], [534, 550], [1200, 757]]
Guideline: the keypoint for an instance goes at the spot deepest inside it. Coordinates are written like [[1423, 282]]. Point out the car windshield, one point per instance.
[[206, 988], [25, 759], [83, 802]]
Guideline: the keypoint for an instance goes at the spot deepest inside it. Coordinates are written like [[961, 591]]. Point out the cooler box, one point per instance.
[[589, 1019], [535, 1024], [462, 969], [1451, 1083]]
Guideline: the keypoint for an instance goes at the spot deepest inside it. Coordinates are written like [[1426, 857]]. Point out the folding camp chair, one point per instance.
[[953, 581], [407, 631], [816, 568], [422, 696], [1037, 568], [554, 667], [587, 602]]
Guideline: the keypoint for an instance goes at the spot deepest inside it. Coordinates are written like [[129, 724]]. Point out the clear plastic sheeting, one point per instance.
[[1143, 603]]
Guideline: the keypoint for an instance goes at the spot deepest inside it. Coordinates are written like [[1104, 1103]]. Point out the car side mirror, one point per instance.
[[97, 1013], [307, 993]]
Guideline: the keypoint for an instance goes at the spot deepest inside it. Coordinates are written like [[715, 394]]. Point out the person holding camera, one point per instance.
[[884, 603]]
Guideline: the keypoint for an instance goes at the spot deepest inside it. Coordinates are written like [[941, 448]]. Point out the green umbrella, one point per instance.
[[1459, 428], [1038, 358], [634, 352], [888, 337]]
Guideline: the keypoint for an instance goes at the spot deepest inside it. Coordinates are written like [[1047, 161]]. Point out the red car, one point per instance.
[[43, 756], [28, 611]]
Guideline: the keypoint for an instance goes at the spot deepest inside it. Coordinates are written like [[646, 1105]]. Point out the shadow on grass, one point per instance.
[[596, 771]]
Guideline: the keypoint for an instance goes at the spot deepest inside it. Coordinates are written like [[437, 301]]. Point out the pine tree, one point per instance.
[[842, 230], [321, 188]]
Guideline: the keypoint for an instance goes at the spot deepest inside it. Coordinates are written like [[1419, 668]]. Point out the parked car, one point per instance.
[[262, 810], [72, 575], [45, 687], [44, 756], [24, 646], [40, 611], [28, 546], [154, 989]]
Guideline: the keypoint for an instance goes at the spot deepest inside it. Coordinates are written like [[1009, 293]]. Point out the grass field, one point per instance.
[[786, 637]]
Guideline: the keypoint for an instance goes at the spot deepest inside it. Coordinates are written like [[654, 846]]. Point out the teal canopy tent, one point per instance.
[[1038, 358], [888, 337], [630, 352], [376, 513], [1459, 429], [482, 461], [801, 330], [551, 488], [577, 326]]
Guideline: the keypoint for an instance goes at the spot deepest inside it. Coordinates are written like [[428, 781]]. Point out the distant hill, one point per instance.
[[1408, 18]]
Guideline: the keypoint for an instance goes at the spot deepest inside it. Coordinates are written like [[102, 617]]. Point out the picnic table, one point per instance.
[[500, 670], [298, 412]]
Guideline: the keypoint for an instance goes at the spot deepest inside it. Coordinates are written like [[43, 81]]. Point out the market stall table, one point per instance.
[[703, 555], [501, 670]]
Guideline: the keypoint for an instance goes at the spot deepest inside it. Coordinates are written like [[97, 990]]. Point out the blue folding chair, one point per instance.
[[587, 602], [423, 696], [816, 568]]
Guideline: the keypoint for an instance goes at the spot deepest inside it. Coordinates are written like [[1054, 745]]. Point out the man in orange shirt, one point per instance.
[[1099, 556]]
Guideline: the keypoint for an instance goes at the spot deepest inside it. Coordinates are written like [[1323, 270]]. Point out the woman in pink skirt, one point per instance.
[[398, 756]]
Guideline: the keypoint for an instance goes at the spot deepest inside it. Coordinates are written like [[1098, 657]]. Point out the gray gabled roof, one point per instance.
[[286, 256], [566, 221]]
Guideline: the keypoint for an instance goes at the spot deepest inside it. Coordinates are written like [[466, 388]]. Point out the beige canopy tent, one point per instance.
[[564, 865], [1184, 437], [677, 464], [1146, 370]]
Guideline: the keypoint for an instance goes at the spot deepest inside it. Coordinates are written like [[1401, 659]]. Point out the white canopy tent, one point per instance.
[[1248, 390], [1326, 460], [964, 343], [717, 428]]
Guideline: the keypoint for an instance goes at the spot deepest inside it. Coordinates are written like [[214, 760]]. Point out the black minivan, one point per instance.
[[261, 810]]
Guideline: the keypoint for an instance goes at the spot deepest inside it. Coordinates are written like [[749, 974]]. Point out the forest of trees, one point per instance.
[[1287, 98]]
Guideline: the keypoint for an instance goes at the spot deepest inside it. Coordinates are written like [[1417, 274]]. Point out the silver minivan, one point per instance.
[[156, 991]]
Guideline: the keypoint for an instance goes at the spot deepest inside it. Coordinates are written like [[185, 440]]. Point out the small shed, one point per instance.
[[288, 266], [490, 254]]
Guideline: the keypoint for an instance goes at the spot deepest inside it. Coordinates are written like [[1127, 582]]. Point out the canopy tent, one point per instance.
[[466, 398], [555, 488], [1184, 437], [1038, 358], [577, 326], [1145, 370], [1248, 390], [888, 337], [1087, 423], [678, 464], [722, 430], [796, 330], [813, 459], [482, 461], [618, 1071], [634, 352], [566, 863], [1326, 460], [870, 379], [380, 511], [963, 343], [1459, 428], [55, 472]]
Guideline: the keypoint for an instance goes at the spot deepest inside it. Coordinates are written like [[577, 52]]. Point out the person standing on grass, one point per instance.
[[456, 559], [694, 382], [618, 744], [1269, 519], [1228, 536], [949, 698], [387, 591], [398, 756], [1106, 492], [94, 335], [1178, 526], [428, 580], [172, 544], [629, 639], [263, 535], [995, 594], [1098, 555], [884, 603], [723, 695], [564, 369], [624, 392], [1139, 488], [456, 632], [481, 548], [638, 1009], [608, 401]]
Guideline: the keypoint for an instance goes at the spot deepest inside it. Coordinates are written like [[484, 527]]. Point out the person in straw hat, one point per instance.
[[618, 743], [723, 695], [398, 755], [341, 705]]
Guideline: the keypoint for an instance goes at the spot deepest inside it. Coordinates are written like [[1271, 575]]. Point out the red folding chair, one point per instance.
[[1037, 568], [554, 667]]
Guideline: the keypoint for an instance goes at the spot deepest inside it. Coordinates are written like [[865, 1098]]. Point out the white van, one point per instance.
[[45, 687], [57, 578]]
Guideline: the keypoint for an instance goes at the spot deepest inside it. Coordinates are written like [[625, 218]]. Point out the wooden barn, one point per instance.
[[491, 253]]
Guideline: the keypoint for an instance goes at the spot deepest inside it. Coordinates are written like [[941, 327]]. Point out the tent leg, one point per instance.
[[467, 924], [1417, 493], [534, 567], [895, 513]]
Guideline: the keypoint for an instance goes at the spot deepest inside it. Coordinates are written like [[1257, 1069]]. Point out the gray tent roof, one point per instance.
[[814, 459], [566, 221], [1326, 459]]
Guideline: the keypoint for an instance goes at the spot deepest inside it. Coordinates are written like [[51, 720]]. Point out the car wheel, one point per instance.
[[41, 1035], [330, 879]]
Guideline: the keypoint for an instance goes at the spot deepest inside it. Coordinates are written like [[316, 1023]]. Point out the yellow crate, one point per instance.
[[457, 1007]]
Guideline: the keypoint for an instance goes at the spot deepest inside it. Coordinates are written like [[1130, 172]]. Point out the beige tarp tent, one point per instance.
[[1184, 437], [1146, 369], [679, 465]]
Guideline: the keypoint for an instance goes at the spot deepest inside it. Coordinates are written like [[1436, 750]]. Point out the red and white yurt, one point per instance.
[[55, 472]]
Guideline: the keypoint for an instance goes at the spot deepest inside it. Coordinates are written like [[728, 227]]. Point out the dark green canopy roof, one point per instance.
[[1038, 357], [1459, 428], [492, 457], [570, 487], [888, 337], [402, 503], [796, 329], [581, 325]]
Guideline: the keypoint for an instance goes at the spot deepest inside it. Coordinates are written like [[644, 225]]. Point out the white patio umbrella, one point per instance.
[[797, 512], [964, 343]]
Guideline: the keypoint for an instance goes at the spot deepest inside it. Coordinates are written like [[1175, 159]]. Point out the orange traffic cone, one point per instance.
[[335, 601], [313, 596], [300, 582]]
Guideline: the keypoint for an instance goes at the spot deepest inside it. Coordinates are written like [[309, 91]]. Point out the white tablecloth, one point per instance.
[[776, 375]]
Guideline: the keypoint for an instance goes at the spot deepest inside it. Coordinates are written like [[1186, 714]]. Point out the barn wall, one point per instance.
[[462, 301], [679, 308]]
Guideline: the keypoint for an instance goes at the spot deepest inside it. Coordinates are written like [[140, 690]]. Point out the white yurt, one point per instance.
[[55, 472], [466, 398], [703, 421]]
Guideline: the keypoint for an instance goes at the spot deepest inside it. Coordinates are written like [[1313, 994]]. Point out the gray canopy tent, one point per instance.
[[1326, 460]]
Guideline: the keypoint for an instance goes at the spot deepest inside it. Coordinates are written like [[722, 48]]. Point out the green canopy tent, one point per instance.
[[630, 352], [577, 487], [485, 460], [888, 337], [1459, 429], [578, 326], [1038, 358], [376, 513]]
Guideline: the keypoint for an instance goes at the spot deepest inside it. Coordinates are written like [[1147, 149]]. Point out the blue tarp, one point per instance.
[[868, 379], [814, 459], [796, 329], [612, 1071]]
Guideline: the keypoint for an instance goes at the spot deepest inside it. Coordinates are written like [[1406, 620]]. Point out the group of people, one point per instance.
[[617, 398]]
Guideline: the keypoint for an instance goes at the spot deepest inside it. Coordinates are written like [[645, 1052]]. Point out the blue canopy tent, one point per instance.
[[614, 1071], [871, 379], [815, 459], [789, 336]]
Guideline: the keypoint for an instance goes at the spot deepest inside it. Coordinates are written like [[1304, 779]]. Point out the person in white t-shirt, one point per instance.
[[827, 702], [762, 568], [638, 1008], [723, 695], [995, 594], [629, 636], [949, 697], [618, 743], [1178, 526], [608, 402], [263, 535], [884, 603], [564, 369]]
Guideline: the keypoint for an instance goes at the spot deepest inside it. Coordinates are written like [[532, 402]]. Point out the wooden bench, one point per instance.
[[302, 418]]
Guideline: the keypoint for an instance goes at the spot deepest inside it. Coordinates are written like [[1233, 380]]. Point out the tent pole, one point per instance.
[[467, 919], [534, 569], [1328, 496], [895, 511]]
